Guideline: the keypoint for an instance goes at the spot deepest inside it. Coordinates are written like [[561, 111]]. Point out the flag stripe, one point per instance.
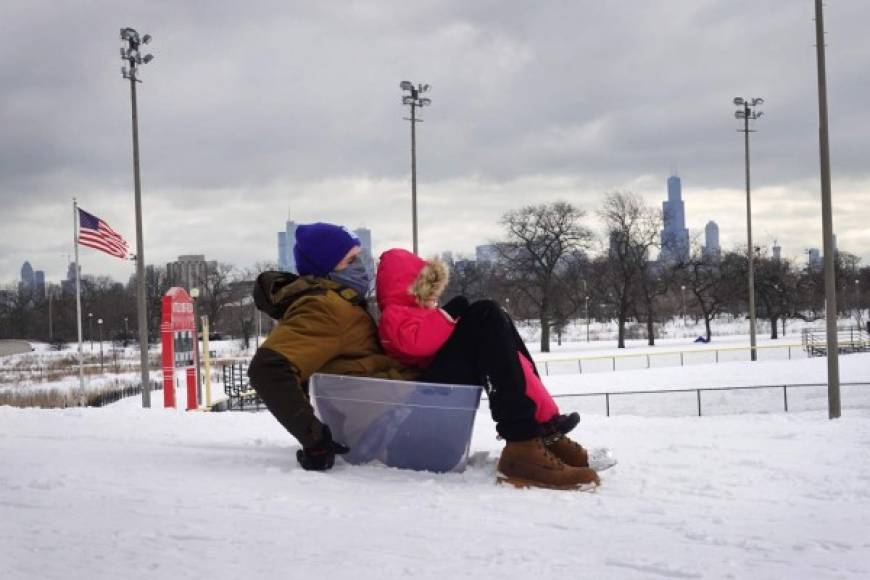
[[95, 233]]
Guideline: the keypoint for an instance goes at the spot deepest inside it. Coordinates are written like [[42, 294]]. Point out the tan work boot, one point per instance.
[[569, 451], [530, 464]]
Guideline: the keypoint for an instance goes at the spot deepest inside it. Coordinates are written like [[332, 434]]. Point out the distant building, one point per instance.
[[712, 249], [39, 284], [68, 286], [487, 253], [286, 241], [674, 236], [190, 271], [814, 259], [282, 251], [777, 251], [365, 238], [25, 287]]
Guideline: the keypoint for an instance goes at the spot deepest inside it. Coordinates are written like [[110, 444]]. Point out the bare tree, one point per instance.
[[217, 290], [777, 289], [712, 282], [539, 239], [632, 231]]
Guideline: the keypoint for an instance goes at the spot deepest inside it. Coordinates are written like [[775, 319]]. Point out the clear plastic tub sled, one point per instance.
[[404, 424]]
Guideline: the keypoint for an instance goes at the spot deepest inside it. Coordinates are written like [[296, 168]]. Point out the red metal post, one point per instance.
[[168, 363], [191, 389]]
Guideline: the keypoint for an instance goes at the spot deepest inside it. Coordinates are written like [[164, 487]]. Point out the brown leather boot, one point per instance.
[[569, 451], [529, 464]]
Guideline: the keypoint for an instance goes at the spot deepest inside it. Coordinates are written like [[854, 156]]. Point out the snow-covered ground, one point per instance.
[[123, 492]]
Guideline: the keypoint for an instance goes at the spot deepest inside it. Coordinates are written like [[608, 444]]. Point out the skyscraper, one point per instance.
[[27, 274], [814, 259], [286, 241], [675, 236], [39, 284], [365, 238], [68, 286], [711, 241]]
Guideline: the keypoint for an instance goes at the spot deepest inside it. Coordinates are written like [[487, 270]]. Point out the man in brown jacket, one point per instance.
[[323, 326]]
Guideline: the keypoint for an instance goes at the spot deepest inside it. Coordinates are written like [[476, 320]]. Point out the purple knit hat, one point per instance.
[[320, 247]]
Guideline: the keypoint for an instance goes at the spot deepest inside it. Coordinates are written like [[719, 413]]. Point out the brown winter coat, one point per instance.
[[323, 328]]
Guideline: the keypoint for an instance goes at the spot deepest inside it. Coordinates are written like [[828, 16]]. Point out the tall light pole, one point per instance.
[[133, 59], [414, 100], [50, 326], [100, 326], [827, 224], [586, 297], [746, 111], [683, 302], [858, 302], [91, 329]]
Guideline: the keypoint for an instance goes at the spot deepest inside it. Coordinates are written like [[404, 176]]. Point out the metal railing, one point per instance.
[[610, 395], [682, 354], [237, 386], [849, 340]]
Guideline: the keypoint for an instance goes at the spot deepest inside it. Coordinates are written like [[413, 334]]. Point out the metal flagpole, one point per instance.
[[78, 294]]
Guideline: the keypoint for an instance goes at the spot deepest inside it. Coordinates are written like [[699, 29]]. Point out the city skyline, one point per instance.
[[540, 111]]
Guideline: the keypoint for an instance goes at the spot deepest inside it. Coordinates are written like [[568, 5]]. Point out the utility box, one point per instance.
[[403, 424]]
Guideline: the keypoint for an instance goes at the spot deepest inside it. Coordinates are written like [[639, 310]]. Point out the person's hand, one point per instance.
[[456, 307], [321, 456]]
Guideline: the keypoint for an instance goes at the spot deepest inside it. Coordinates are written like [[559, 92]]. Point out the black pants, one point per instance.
[[483, 351]]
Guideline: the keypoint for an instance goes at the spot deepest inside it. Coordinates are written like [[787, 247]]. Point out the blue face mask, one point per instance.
[[355, 277]]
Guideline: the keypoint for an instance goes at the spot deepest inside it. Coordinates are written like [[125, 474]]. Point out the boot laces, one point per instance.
[[550, 456]]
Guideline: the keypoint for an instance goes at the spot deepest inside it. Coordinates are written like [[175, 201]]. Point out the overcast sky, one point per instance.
[[252, 112]]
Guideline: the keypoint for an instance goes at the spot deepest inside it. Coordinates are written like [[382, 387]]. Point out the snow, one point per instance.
[[134, 493]]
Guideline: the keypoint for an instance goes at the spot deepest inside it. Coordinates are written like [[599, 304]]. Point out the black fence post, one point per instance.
[[785, 397], [699, 401], [607, 402]]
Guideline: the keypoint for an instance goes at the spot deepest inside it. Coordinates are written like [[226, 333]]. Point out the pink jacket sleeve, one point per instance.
[[415, 332]]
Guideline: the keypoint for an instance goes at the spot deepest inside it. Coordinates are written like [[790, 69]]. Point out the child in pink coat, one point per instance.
[[413, 329]]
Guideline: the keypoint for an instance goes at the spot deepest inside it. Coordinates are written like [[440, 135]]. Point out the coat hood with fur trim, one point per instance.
[[405, 279], [410, 332]]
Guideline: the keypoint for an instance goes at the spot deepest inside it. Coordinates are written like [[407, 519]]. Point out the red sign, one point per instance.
[[177, 316], [178, 310]]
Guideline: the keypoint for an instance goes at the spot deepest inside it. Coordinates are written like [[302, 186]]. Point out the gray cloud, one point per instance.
[[249, 111]]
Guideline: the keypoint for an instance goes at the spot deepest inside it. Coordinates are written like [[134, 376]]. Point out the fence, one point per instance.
[[107, 398], [701, 400], [765, 398], [237, 386], [667, 358], [815, 341]]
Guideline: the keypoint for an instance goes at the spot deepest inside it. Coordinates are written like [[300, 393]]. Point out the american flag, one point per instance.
[[95, 233]]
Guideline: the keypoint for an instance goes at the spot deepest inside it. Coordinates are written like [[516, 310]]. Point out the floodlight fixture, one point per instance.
[[406, 85], [738, 100], [146, 39], [425, 102], [147, 58]]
